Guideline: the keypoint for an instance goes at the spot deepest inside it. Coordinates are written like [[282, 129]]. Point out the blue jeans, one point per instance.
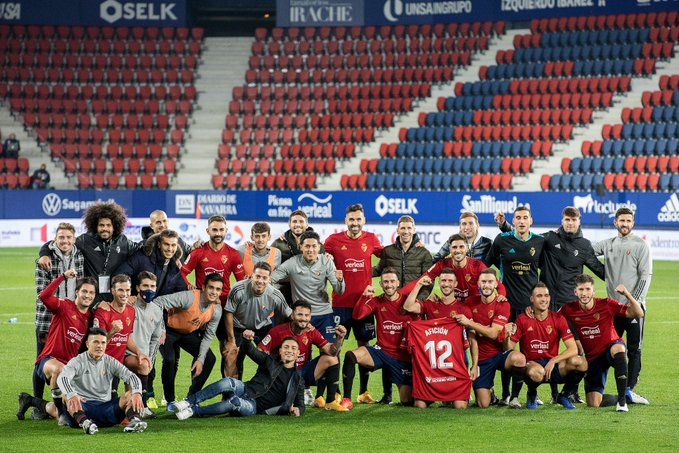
[[237, 400]]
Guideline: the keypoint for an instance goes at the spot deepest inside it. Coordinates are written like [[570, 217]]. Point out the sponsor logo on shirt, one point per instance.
[[520, 268], [212, 270], [438, 379], [353, 265], [591, 332], [539, 346], [392, 327], [118, 340], [74, 335]]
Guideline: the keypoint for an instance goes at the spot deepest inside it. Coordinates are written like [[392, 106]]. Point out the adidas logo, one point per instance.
[[512, 250], [557, 246], [670, 211]]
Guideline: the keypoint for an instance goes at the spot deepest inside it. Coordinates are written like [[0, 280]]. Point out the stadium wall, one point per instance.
[[313, 13]]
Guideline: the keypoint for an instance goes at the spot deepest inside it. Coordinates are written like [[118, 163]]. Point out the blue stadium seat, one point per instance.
[[618, 164], [427, 182], [466, 182], [576, 182], [419, 165], [437, 165], [391, 165], [672, 146], [555, 182], [379, 183], [596, 166], [428, 166], [576, 165], [370, 184], [598, 181], [437, 182], [417, 182], [400, 165], [399, 181], [565, 184], [389, 181], [587, 182], [382, 165], [665, 180], [447, 183], [458, 165], [496, 166], [608, 164], [485, 165], [467, 165], [456, 182], [408, 181], [675, 182], [447, 165], [409, 165], [607, 148]]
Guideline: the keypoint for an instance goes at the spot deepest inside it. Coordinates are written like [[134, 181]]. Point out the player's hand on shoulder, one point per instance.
[[529, 312], [329, 256], [501, 298], [45, 263], [106, 306], [198, 244], [71, 273], [369, 291], [249, 335]]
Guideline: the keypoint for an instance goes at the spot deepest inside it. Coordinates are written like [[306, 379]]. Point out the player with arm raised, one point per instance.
[[323, 371], [538, 337], [390, 351], [592, 321]]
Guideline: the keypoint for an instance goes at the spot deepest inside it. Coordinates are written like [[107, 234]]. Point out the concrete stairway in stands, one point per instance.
[[223, 65]]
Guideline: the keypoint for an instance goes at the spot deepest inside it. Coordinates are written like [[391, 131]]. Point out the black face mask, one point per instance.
[[147, 295]]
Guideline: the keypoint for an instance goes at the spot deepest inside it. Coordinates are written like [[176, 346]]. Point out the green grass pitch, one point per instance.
[[375, 428]]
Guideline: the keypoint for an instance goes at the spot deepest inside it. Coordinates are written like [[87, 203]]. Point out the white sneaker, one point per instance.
[[178, 406], [308, 397], [184, 414], [514, 403], [148, 414], [135, 426], [89, 427], [635, 398], [538, 401], [621, 408]]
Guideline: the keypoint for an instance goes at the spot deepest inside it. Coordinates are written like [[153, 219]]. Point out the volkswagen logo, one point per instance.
[[51, 204]]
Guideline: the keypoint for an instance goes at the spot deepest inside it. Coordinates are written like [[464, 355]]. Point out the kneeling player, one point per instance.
[[86, 381], [538, 337], [592, 320], [490, 316], [276, 388], [390, 351], [323, 371]]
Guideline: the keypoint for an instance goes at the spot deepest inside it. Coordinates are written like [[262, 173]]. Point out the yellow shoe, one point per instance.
[[151, 403], [366, 398], [319, 402], [336, 406]]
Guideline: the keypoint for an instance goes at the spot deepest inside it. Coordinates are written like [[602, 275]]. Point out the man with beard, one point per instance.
[[628, 262], [477, 246], [290, 245], [70, 321], [352, 251], [466, 269], [252, 305], [323, 371], [215, 257], [104, 245], [64, 256], [158, 222]]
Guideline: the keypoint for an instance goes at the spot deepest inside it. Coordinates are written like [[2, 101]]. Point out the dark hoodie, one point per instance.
[[287, 244], [410, 265], [150, 258]]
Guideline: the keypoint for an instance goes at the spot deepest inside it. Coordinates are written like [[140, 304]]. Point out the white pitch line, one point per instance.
[[16, 288]]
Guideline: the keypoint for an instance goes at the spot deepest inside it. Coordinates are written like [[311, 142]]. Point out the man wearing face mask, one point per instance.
[[148, 330]]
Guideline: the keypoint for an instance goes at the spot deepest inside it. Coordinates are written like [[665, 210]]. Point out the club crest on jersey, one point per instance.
[[468, 277], [597, 316], [490, 313], [305, 340], [549, 330], [575, 252], [364, 247], [224, 259], [128, 321], [532, 251]]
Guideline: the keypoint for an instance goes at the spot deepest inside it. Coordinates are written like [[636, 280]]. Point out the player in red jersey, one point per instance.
[[466, 268], [323, 371], [538, 337], [439, 363], [390, 351], [70, 322], [443, 307], [490, 313], [352, 251], [592, 321], [216, 257]]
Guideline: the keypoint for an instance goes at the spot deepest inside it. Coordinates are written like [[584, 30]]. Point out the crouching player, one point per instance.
[[390, 351], [323, 371], [276, 389], [86, 381], [592, 321], [538, 337], [490, 314]]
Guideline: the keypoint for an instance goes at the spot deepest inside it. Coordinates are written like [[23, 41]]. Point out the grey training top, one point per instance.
[[91, 379], [257, 258], [148, 327], [184, 300], [628, 262], [251, 311], [309, 281]]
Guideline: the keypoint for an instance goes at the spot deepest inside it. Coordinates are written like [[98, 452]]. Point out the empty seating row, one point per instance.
[[129, 181], [112, 151], [658, 98], [102, 121], [487, 133], [540, 86], [85, 62], [467, 149], [506, 117], [332, 93], [262, 181], [11, 165], [629, 131], [383, 32], [609, 22], [100, 47], [294, 107], [119, 166], [99, 136], [527, 101], [354, 76], [515, 165], [427, 182], [285, 121], [660, 114], [96, 76], [34, 93], [596, 37], [640, 66], [94, 32], [264, 166], [612, 182], [639, 164], [637, 147]]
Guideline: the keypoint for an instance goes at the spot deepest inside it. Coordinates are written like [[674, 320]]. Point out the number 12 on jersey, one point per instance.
[[439, 360]]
